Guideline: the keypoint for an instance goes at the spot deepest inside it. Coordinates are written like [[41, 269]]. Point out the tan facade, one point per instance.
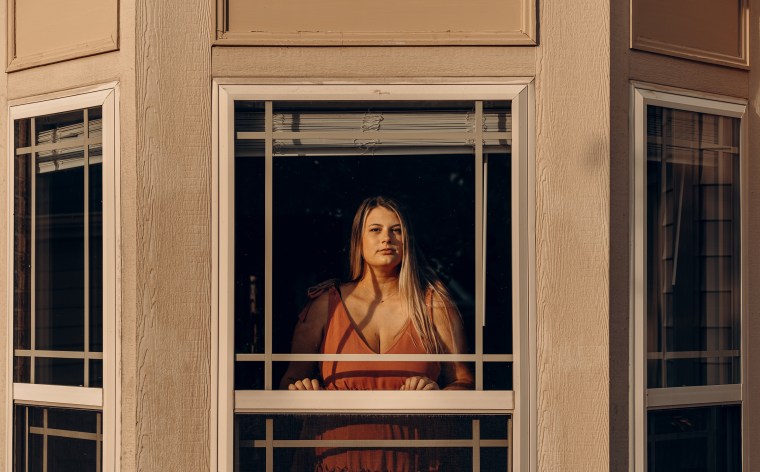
[[581, 69]]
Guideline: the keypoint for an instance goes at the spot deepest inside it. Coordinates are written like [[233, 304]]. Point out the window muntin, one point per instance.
[[687, 288], [63, 303], [252, 141]]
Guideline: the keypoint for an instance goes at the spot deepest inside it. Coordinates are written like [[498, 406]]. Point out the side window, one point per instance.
[[298, 168], [689, 265], [63, 284]]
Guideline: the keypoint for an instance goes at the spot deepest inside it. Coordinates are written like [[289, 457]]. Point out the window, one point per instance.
[[688, 283], [294, 164], [63, 354]]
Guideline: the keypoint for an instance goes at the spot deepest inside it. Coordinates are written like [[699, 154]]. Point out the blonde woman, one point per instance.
[[394, 304]]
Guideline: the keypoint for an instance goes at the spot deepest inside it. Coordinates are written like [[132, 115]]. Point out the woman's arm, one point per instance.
[[307, 338], [448, 325]]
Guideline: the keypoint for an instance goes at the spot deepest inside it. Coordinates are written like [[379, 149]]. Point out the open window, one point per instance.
[[294, 163], [688, 284], [63, 353]]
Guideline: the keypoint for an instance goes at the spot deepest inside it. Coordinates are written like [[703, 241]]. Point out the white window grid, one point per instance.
[[519, 403], [102, 399], [643, 398]]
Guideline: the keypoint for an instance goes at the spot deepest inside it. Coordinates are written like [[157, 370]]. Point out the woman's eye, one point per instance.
[[397, 230]]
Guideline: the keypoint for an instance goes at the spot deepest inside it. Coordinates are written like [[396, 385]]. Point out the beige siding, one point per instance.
[[620, 238], [5, 336], [572, 235], [373, 62], [172, 236], [751, 261]]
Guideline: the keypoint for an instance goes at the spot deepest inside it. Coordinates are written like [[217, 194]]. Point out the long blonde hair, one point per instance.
[[416, 279]]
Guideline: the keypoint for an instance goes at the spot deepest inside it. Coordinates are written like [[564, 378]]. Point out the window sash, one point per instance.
[[103, 399], [644, 399]]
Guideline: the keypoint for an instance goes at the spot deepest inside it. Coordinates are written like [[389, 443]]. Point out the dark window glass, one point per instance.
[[693, 245], [59, 439], [706, 439], [373, 442]]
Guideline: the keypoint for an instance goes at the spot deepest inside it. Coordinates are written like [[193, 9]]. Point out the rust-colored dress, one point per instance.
[[341, 336]]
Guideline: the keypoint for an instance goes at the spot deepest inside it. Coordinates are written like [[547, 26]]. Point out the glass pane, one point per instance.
[[60, 128], [95, 200], [706, 439], [59, 258], [249, 255], [96, 373], [371, 442], [693, 248], [497, 332], [497, 376], [54, 371], [64, 439], [22, 263]]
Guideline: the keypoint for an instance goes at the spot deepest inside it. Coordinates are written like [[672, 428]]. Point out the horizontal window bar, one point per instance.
[[57, 354], [376, 357], [693, 396], [67, 144], [38, 394], [693, 354], [396, 135], [377, 443], [62, 433], [285, 401]]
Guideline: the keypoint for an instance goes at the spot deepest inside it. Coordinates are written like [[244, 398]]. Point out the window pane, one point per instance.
[[59, 261], [706, 439], [373, 442], [329, 156], [693, 248], [65, 439], [58, 248]]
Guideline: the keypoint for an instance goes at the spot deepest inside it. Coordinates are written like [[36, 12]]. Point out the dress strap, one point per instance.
[[317, 290]]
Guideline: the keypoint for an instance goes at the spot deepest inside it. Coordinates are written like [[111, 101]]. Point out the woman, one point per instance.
[[394, 304]]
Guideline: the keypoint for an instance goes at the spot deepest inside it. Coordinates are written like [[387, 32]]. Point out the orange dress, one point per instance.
[[341, 336]]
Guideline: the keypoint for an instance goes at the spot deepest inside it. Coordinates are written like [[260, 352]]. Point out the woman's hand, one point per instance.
[[419, 383], [305, 384]]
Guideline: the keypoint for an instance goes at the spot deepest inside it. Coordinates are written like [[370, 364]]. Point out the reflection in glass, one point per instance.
[[59, 258], [693, 248], [58, 248], [705, 439], [66, 440], [393, 443]]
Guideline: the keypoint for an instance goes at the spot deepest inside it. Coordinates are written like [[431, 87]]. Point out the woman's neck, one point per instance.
[[380, 286]]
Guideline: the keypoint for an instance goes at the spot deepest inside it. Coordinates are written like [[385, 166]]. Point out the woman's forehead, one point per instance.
[[383, 216]]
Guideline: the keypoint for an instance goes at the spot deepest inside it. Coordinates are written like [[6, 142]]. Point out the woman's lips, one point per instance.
[[387, 251]]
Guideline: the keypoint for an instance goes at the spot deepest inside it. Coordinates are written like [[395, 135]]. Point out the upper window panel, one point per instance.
[[47, 31], [704, 30], [392, 22]]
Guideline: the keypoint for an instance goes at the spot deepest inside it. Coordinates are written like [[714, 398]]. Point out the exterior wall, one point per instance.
[[572, 235], [170, 240], [752, 262], [5, 336], [583, 67]]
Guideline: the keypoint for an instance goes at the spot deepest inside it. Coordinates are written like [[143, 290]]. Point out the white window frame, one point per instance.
[[642, 399], [522, 400], [105, 399]]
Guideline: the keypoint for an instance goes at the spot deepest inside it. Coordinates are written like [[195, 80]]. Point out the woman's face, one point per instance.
[[382, 239]]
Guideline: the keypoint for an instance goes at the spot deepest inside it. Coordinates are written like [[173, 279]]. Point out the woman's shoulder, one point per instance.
[[322, 289]]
